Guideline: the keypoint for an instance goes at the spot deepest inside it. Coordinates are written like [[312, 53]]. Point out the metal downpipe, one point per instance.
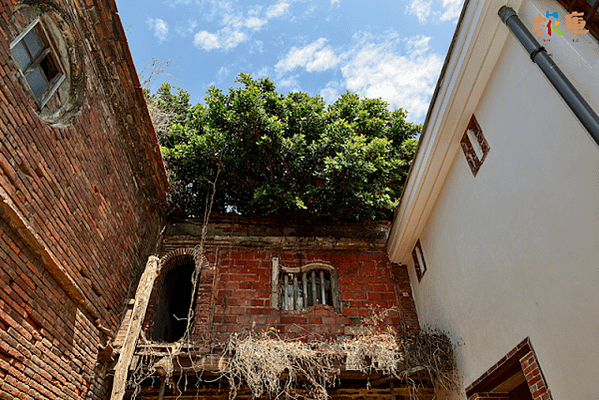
[[538, 55]]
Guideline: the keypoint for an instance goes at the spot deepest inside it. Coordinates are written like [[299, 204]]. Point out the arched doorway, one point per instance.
[[170, 318]]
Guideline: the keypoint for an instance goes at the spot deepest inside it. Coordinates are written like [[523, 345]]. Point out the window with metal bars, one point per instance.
[[295, 288], [33, 54], [305, 289], [589, 10]]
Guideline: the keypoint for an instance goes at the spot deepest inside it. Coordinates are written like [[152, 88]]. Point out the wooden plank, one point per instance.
[[402, 375], [220, 391], [142, 297]]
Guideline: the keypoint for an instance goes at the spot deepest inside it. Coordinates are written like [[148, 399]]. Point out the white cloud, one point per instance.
[[232, 38], [238, 27], [226, 39], [403, 79], [315, 57], [331, 92], [336, 2], [159, 27], [290, 83], [401, 71], [262, 73], [255, 23], [452, 9], [277, 10], [421, 9], [206, 40], [188, 28], [447, 10], [257, 47], [222, 74]]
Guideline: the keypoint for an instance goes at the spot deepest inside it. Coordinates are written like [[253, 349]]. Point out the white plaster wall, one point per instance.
[[514, 251]]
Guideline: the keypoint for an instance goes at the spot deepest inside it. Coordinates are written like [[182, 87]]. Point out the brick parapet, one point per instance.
[[235, 291]]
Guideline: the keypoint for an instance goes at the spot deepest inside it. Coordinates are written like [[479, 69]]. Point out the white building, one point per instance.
[[508, 251]]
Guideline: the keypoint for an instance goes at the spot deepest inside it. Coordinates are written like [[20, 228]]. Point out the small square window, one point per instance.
[[419, 264], [33, 54], [474, 145]]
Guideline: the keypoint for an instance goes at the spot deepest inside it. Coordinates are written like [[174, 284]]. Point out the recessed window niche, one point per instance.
[[47, 60]]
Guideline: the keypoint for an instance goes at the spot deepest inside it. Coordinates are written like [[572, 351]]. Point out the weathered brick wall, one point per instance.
[[242, 295], [82, 203], [234, 294], [48, 345]]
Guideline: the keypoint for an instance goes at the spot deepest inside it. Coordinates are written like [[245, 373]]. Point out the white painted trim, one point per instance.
[[478, 42]]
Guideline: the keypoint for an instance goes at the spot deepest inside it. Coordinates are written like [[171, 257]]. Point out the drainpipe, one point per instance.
[[539, 55]]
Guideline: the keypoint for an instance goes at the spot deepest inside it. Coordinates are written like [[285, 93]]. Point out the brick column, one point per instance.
[[534, 377]]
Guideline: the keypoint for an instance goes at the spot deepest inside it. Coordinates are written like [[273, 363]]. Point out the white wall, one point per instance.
[[514, 251]]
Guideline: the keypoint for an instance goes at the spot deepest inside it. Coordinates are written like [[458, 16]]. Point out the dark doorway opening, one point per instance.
[[521, 392], [171, 313]]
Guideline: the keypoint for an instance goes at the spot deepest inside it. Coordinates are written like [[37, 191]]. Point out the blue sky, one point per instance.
[[392, 49]]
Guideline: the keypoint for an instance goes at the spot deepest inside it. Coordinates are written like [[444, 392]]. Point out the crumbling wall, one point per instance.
[[234, 294], [82, 198]]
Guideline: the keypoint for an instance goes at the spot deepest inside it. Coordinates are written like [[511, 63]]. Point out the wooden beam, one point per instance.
[[142, 297], [391, 378], [220, 391]]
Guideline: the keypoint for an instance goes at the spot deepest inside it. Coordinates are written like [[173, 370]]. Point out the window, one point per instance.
[[419, 264], [474, 145], [33, 54], [306, 286]]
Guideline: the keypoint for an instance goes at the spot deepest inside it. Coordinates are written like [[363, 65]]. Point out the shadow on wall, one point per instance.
[[173, 306]]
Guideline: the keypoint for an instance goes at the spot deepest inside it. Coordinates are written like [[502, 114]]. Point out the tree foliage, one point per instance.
[[288, 155]]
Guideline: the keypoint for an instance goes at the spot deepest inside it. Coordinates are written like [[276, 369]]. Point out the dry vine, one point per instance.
[[160, 115], [272, 366]]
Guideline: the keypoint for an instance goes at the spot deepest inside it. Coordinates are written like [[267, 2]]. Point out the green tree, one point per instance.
[[287, 155]]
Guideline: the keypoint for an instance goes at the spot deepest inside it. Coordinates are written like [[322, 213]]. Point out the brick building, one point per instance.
[[82, 194], [307, 282], [83, 206], [242, 284]]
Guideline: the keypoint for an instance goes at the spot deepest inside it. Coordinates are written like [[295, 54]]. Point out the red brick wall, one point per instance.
[[242, 295], [48, 346], [80, 188], [81, 208], [521, 359], [534, 377], [234, 294]]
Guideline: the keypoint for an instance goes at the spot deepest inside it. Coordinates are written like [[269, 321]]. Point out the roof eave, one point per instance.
[[477, 43]]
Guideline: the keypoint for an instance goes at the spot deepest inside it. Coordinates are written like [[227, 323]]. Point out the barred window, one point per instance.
[[306, 286]]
